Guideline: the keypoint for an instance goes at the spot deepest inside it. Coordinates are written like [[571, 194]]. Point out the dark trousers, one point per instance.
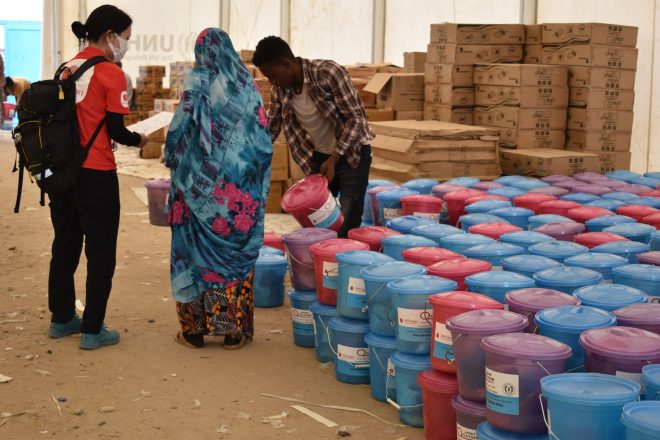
[[89, 213], [350, 184]]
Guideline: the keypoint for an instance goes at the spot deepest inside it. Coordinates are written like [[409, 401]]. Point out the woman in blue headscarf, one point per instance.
[[219, 151]]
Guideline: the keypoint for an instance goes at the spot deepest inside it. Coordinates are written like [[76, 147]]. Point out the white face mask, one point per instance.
[[119, 52]]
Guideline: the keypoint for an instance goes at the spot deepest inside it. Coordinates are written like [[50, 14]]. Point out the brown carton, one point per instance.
[[614, 161], [478, 33], [603, 120], [545, 161], [399, 171], [595, 33], [473, 54], [417, 151], [447, 94], [368, 99], [434, 130], [613, 141], [532, 53], [151, 150], [170, 105], [443, 112], [279, 166], [408, 115], [246, 55], [533, 33], [458, 76], [413, 62], [524, 97], [275, 197], [591, 98], [369, 70], [601, 77], [520, 75], [521, 118], [400, 92], [536, 138], [295, 172], [379, 114], [591, 55]]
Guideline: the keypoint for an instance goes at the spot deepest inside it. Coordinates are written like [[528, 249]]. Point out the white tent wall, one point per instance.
[[252, 20]]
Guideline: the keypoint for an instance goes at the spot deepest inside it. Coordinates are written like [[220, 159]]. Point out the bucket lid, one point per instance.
[[619, 195], [560, 204], [610, 296], [407, 240], [652, 257], [526, 346], [639, 314], [379, 341], [480, 217], [595, 260], [301, 192], [534, 198], [472, 239], [630, 229], [507, 191], [303, 295], [465, 300], [609, 220], [468, 407], [585, 213], [378, 189], [512, 212], [493, 250], [508, 179], [528, 263], [429, 252], [560, 228], [459, 267], [464, 181], [622, 247], [499, 278], [362, 258], [324, 310], [343, 324], [487, 205], [634, 188], [378, 182], [422, 198], [409, 361], [391, 270], [640, 271], [534, 299], [272, 260], [609, 205], [651, 375], [407, 222], [525, 237], [549, 190], [648, 201], [308, 236], [420, 183], [445, 188], [436, 230], [558, 249], [580, 197], [624, 175], [527, 184], [158, 183], [269, 250], [395, 194], [592, 239], [421, 284], [484, 196], [330, 248], [574, 319], [493, 228], [462, 194], [569, 276], [549, 218], [371, 234], [487, 185], [623, 342], [438, 382], [590, 389], [642, 416], [636, 211], [487, 322], [651, 182], [555, 178]]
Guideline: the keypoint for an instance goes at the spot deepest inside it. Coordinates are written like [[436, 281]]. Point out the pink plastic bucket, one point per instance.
[[274, 240], [593, 239], [372, 235], [456, 203], [426, 256], [439, 416], [422, 205], [458, 268], [157, 193], [638, 212], [558, 207], [493, 230], [532, 200], [584, 213], [312, 205]]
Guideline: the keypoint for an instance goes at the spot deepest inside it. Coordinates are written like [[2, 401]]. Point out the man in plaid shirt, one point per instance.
[[324, 122]]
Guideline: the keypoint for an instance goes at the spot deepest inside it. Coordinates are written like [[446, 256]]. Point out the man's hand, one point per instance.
[[143, 140], [328, 167]]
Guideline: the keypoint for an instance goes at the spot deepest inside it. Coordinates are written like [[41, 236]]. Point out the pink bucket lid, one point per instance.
[[584, 213], [560, 204], [432, 253], [526, 346], [652, 257], [459, 267], [493, 229], [592, 189], [634, 188], [533, 198], [303, 191], [487, 322], [438, 382], [566, 184], [487, 185], [443, 189], [560, 228], [481, 197], [466, 300], [371, 234], [593, 239], [639, 314], [334, 246], [637, 212], [550, 190], [534, 299], [622, 342], [422, 198], [588, 177], [556, 178], [462, 194]]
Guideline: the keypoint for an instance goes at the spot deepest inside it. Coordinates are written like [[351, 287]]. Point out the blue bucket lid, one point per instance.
[[525, 237], [505, 180], [486, 431], [421, 284], [654, 174], [529, 263], [512, 212], [362, 258], [480, 217], [467, 238], [408, 222], [303, 295], [610, 205], [647, 181], [395, 194], [592, 389], [642, 416], [378, 341], [558, 249], [609, 220], [527, 183], [464, 181], [272, 260], [349, 325], [269, 250], [569, 276], [610, 296], [651, 201], [620, 195], [495, 249], [624, 175], [595, 260], [630, 229], [499, 278], [507, 191], [487, 205], [651, 375], [408, 361], [639, 271], [321, 309], [622, 247], [436, 230], [408, 240], [580, 197], [416, 184], [391, 270], [574, 319], [549, 218], [379, 182]]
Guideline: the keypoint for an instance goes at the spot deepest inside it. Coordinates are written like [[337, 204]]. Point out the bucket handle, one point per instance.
[[447, 353], [543, 368], [327, 332], [392, 402], [545, 419], [366, 306], [290, 255]]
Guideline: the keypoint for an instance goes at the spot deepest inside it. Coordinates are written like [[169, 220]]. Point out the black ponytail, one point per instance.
[[102, 19]]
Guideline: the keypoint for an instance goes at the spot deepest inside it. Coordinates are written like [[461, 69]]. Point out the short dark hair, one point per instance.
[[9, 82], [102, 19], [270, 50]]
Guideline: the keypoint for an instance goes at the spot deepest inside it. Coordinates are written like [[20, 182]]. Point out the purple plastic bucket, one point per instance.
[[588, 177], [301, 261], [550, 190], [652, 257], [485, 186], [645, 316], [633, 188], [442, 189], [534, 299], [565, 231], [554, 178], [468, 416], [591, 189], [157, 192], [515, 365], [467, 330]]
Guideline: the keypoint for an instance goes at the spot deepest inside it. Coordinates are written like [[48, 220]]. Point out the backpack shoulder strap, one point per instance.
[[86, 65]]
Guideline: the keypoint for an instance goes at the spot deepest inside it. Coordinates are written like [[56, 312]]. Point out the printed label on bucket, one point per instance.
[[326, 215], [429, 215], [303, 322], [390, 213], [502, 392], [353, 360], [414, 324], [357, 294], [442, 344], [330, 274], [463, 433]]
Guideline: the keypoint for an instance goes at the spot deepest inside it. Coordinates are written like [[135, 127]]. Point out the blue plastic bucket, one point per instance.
[[463, 181], [436, 231], [411, 314], [624, 175], [507, 191], [380, 365], [395, 244], [468, 220], [626, 248], [527, 184], [322, 315], [483, 206], [528, 265], [600, 262], [493, 252], [408, 392], [633, 231], [558, 250], [406, 223], [422, 186], [641, 420], [610, 205], [460, 242], [599, 223], [620, 195], [646, 181], [486, 431], [379, 298], [581, 198], [567, 279], [525, 239], [302, 318], [366, 212], [655, 241], [653, 202], [651, 381], [496, 283], [352, 364], [566, 323], [506, 180], [539, 220], [654, 174], [587, 405], [641, 276], [610, 297], [516, 216], [351, 291], [269, 274], [389, 203], [268, 250]]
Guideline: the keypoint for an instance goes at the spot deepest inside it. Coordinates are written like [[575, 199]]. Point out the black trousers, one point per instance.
[[350, 184], [91, 213]]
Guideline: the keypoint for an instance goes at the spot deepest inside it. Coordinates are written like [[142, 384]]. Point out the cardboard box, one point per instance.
[[521, 118], [246, 55], [601, 120], [443, 112], [158, 105], [456, 75], [473, 54], [418, 151], [542, 75], [595, 33], [449, 95], [478, 33], [151, 150], [413, 62], [379, 114], [295, 172], [408, 115], [602, 98], [524, 97], [533, 33], [532, 53], [279, 166], [591, 55], [170, 105], [368, 99], [159, 135], [434, 130], [601, 78], [275, 197], [535, 138], [151, 71], [400, 91], [614, 161], [442, 171], [613, 141], [370, 70], [545, 162]]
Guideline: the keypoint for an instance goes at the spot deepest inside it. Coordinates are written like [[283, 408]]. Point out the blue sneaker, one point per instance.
[[58, 330], [91, 341]]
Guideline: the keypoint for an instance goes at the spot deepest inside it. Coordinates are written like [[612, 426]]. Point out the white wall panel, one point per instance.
[[252, 20]]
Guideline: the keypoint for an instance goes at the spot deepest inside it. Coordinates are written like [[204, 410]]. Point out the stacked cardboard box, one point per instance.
[[540, 162], [527, 102], [404, 150], [361, 75], [532, 51], [148, 88], [453, 51], [397, 95], [414, 62], [601, 59], [178, 71]]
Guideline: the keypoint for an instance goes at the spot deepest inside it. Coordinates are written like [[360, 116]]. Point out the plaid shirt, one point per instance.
[[336, 98]]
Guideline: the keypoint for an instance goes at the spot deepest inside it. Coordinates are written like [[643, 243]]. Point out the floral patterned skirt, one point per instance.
[[221, 311]]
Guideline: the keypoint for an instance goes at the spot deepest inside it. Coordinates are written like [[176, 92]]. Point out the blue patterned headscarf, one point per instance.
[[219, 151]]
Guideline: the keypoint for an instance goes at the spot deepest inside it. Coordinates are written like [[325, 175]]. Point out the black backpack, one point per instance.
[[46, 138]]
